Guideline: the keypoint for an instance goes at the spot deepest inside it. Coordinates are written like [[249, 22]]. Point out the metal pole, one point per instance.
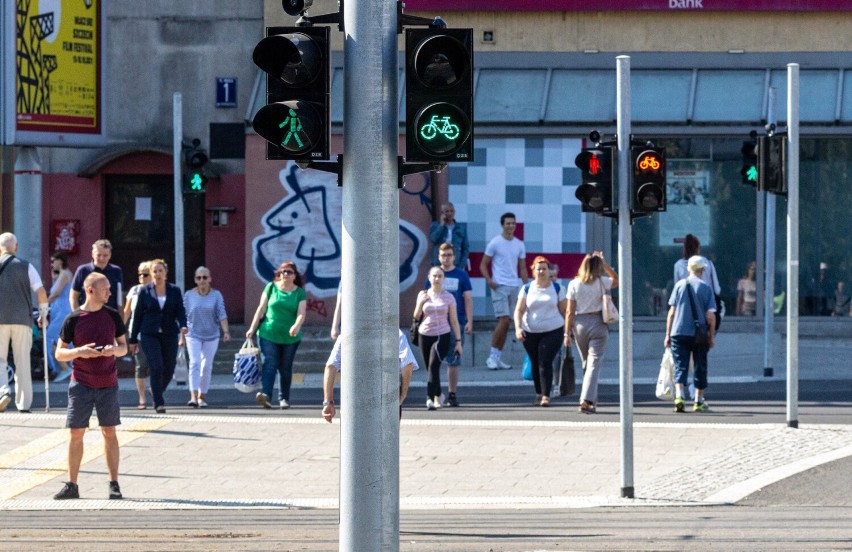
[[625, 281], [793, 244], [177, 139], [769, 264], [27, 204], [369, 433]]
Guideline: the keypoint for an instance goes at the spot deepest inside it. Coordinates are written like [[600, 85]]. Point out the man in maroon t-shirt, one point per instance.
[[99, 333]]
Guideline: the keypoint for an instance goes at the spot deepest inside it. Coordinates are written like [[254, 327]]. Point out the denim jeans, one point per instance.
[[277, 359], [682, 347]]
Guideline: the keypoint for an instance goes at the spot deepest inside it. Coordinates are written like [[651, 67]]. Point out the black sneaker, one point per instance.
[[452, 400], [70, 490], [114, 491]]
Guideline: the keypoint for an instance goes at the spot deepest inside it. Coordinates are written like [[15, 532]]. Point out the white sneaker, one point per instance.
[[492, 363], [5, 399], [503, 366], [430, 405], [283, 404], [436, 402]]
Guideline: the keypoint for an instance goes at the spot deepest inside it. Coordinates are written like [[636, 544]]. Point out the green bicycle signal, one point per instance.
[[442, 130]]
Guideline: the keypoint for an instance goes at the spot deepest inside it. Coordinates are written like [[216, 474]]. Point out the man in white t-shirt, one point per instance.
[[505, 254]]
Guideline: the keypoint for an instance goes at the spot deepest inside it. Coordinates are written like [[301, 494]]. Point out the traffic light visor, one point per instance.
[[440, 61], [650, 196], [294, 58], [591, 195]]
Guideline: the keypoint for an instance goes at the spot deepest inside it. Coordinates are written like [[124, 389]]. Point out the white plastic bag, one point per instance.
[[665, 380], [247, 367]]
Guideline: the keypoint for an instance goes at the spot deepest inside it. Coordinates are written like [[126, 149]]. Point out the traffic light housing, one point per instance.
[[439, 94], [194, 159], [772, 158], [295, 121], [596, 173], [649, 179], [749, 171]]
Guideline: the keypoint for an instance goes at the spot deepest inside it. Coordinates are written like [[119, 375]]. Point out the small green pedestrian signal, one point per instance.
[[751, 174], [196, 182], [295, 125]]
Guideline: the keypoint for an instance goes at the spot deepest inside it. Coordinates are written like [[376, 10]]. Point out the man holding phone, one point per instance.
[[94, 380]]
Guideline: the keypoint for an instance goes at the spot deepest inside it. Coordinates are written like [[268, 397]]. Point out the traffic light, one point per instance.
[[772, 156], [596, 172], [649, 179], [749, 170], [295, 121], [194, 158], [439, 95]]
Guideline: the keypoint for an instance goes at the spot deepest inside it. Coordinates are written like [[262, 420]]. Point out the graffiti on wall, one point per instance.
[[305, 227]]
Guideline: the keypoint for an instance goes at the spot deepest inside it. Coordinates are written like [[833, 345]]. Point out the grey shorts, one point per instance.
[[503, 299], [141, 362], [82, 399]]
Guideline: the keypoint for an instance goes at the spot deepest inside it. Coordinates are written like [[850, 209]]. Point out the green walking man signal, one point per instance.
[[295, 127]]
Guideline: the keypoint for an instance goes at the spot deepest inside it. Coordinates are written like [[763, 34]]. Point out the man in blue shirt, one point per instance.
[[457, 282], [101, 254], [691, 295], [448, 230]]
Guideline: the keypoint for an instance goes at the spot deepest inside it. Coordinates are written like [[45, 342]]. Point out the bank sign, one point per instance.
[[627, 5], [51, 73]]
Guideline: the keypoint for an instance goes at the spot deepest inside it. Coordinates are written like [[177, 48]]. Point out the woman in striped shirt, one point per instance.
[[205, 313]]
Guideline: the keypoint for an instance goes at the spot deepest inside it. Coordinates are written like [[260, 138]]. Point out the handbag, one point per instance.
[[567, 385], [181, 366], [414, 331], [526, 372], [702, 333], [665, 379], [609, 311], [247, 367]]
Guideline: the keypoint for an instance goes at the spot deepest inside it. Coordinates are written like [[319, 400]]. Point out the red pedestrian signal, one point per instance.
[[596, 175]]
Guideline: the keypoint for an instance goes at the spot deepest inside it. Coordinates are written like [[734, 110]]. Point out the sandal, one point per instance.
[[587, 408], [141, 406]]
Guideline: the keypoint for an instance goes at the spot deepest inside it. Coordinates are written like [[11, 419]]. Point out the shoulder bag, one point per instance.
[[609, 311], [702, 333]]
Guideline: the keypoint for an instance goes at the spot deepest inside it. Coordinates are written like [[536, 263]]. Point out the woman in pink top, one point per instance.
[[436, 310]]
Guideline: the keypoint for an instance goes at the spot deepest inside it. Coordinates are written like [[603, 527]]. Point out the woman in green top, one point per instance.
[[278, 323]]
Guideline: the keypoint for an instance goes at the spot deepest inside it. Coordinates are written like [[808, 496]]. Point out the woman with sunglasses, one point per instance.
[[278, 323], [159, 325], [205, 313], [60, 307], [142, 370]]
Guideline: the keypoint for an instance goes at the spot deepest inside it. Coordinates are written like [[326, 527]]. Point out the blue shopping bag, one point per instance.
[[247, 367], [527, 371]]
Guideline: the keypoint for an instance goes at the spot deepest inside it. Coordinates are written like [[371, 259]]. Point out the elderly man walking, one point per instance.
[[18, 280]]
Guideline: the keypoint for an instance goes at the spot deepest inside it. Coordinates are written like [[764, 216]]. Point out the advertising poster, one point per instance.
[[688, 193], [57, 80]]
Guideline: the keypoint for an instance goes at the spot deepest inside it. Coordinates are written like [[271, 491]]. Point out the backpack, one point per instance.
[[555, 287]]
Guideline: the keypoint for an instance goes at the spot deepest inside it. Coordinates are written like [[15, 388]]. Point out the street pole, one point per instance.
[[177, 139], [369, 432], [625, 281], [792, 244], [28, 223], [769, 263]]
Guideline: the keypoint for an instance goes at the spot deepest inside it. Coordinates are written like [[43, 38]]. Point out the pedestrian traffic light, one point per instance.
[[295, 121], [439, 95], [596, 174], [772, 156], [649, 179], [749, 170], [194, 179]]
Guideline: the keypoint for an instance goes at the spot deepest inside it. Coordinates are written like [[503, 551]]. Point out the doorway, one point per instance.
[[140, 223]]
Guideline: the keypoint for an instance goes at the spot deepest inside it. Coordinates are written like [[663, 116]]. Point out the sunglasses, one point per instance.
[[145, 274], [284, 272], [202, 277]]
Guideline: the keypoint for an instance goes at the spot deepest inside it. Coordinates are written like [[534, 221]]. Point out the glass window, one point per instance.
[[660, 96], [579, 96], [729, 96], [817, 95], [509, 96]]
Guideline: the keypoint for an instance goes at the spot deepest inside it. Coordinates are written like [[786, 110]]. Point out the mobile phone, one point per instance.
[[99, 347]]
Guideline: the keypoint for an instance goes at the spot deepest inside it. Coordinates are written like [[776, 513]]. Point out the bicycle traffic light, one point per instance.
[[596, 173], [439, 95], [295, 121], [649, 179], [749, 171], [772, 156], [194, 158]]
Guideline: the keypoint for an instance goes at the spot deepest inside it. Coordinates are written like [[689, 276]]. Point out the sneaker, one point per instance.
[[192, 404], [160, 409], [262, 400], [5, 399], [202, 404], [492, 363], [700, 407], [502, 365], [587, 407], [545, 400], [430, 405], [70, 490], [283, 404], [679, 404], [436, 402], [114, 491], [452, 400]]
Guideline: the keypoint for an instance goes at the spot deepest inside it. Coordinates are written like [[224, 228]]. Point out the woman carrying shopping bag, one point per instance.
[[278, 323], [585, 319], [205, 314]]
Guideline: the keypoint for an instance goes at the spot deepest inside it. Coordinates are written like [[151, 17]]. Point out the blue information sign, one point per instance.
[[226, 92]]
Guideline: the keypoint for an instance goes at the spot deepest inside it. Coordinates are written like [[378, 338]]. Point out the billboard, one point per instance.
[[627, 5], [52, 73]]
